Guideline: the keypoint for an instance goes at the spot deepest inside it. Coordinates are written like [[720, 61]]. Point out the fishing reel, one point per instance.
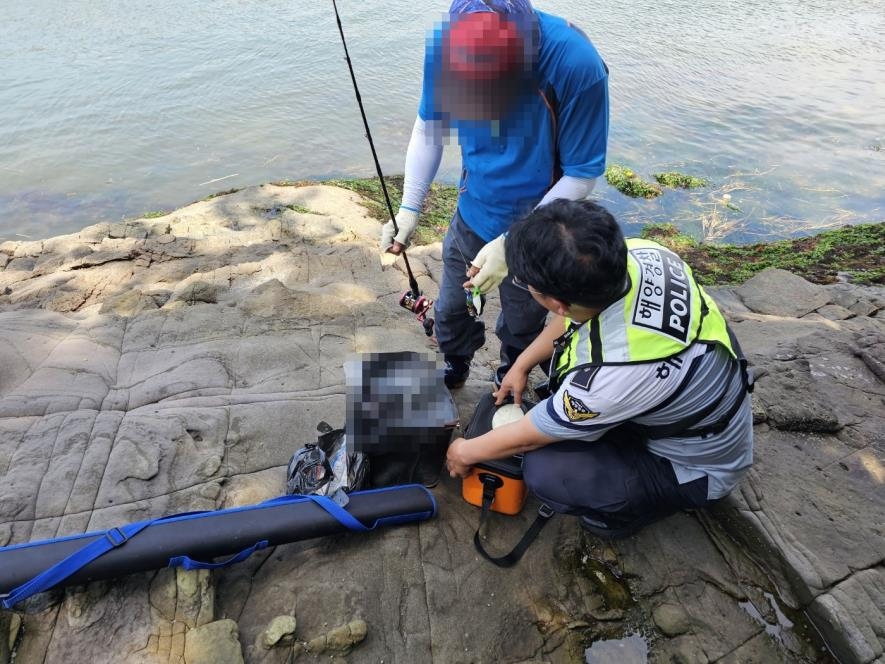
[[420, 306]]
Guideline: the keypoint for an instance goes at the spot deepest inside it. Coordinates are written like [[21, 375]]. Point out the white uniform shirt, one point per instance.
[[592, 402]]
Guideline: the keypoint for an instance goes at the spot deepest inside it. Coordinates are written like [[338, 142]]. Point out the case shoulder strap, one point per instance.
[[491, 483]]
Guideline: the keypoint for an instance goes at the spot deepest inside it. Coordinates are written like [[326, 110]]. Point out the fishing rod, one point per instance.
[[411, 299]]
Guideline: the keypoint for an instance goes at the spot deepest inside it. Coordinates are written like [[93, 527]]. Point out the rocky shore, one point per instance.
[[173, 364]]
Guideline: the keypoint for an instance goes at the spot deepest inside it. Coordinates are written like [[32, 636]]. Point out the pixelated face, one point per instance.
[[483, 67], [475, 101]]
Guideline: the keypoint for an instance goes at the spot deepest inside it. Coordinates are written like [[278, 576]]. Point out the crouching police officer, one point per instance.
[[649, 408]]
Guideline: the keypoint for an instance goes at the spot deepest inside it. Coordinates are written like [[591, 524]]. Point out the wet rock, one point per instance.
[[611, 587], [215, 643], [780, 293], [4, 260], [671, 619], [280, 631]]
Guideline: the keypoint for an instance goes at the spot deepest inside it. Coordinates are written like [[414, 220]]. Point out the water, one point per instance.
[[110, 109], [631, 649]]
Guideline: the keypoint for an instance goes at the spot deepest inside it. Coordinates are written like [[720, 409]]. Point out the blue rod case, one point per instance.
[[187, 540]]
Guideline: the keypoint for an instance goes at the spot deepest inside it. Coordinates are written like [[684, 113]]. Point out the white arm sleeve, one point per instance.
[[422, 162], [570, 188]]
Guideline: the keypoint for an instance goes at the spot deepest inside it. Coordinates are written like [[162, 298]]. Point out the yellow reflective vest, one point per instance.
[[664, 311]]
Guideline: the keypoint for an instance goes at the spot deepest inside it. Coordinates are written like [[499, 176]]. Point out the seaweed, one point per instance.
[[629, 183], [676, 180]]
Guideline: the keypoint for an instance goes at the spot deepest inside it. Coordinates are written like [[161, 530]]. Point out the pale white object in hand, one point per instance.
[[506, 414]]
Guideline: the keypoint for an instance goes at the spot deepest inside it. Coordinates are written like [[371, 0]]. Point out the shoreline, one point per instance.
[[852, 253]]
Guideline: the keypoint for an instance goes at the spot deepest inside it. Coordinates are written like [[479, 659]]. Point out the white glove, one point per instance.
[[492, 265], [406, 221]]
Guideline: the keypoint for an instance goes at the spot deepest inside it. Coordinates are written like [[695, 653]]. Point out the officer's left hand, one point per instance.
[[513, 383], [454, 461], [489, 267]]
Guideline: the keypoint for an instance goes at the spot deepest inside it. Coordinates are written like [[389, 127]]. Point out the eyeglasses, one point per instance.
[[524, 286], [519, 284]]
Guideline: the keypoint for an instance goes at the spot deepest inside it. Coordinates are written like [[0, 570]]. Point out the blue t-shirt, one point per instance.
[[508, 165]]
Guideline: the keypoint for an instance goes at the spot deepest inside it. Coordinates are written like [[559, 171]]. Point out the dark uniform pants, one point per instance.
[[614, 480]]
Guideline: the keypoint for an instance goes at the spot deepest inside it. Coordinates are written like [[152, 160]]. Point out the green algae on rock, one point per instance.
[[629, 183], [435, 217], [153, 214], [858, 251], [677, 180]]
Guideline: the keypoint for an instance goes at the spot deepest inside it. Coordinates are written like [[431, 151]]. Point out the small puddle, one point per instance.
[[776, 631], [797, 635], [631, 649]]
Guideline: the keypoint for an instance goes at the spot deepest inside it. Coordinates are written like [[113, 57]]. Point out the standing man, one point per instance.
[[650, 411], [526, 93]]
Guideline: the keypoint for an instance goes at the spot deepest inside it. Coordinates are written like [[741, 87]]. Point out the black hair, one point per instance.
[[571, 250]]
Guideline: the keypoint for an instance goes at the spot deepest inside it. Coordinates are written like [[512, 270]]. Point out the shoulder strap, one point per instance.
[[687, 427], [491, 483], [111, 539]]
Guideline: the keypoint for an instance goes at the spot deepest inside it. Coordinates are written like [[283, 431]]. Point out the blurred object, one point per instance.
[[400, 415]]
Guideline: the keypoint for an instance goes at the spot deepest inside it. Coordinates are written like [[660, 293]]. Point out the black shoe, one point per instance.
[[609, 531], [457, 370]]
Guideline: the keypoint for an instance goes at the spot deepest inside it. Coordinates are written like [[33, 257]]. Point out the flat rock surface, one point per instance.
[[169, 365]]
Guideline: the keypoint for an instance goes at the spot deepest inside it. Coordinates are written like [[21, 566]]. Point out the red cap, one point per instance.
[[483, 46]]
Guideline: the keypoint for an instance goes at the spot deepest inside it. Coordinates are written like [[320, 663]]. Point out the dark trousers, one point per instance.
[[614, 480], [521, 318]]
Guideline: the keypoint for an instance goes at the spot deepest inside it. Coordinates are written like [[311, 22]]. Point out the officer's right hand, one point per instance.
[[514, 382], [406, 221]]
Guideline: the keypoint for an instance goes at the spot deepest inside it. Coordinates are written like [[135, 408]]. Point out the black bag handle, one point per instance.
[[490, 484]]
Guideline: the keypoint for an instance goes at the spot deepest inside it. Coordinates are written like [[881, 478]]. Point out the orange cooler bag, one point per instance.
[[499, 481], [502, 477]]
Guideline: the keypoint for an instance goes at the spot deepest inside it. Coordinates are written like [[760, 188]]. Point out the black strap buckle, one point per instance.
[[116, 537], [545, 511]]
